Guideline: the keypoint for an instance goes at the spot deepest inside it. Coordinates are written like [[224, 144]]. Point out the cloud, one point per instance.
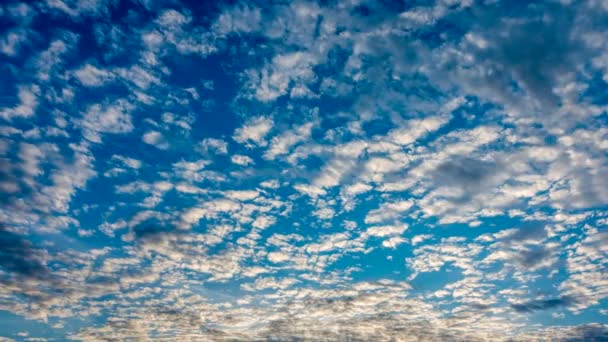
[[295, 67], [280, 145], [12, 41], [50, 61], [212, 145], [242, 195], [112, 118], [253, 132], [432, 171], [129, 162], [387, 212], [155, 139], [241, 160], [278, 257], [238, 19], [416, 130], [470, 175], [382, 231], [77, 9], [28, 102], [551, 50], [18, 256], [584, 265], [541, 304], [91, 76]]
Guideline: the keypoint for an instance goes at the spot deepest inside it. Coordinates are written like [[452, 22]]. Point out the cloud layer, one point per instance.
[[339, 171]]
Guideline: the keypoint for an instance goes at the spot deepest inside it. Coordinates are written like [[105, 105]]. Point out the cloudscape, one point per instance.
[[352, 170]]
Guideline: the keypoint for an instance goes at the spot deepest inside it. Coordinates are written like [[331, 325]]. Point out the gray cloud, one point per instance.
[[18, 256], [469, 174], [542, 304], [533, 46]]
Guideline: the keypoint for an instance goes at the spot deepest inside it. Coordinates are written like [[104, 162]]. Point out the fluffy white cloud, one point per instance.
[[274, 81], [212, 145], [28, 102], [242, 160], [91, 76], [254, 131], [281, 145], [416, 129], [155, 139], [114, 118]]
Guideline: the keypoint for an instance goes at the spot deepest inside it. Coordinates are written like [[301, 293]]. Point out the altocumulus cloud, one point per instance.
[[303, 170]]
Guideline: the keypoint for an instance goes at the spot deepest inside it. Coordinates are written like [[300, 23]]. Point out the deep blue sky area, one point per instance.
[[303, 170]]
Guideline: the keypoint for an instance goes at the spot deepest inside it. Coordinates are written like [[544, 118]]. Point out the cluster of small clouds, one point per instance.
[[248, 197]]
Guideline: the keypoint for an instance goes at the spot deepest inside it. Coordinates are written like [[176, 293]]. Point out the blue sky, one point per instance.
[[300, 170]]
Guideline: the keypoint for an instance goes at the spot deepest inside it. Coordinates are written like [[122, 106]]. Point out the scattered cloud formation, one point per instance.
[[303, 170]]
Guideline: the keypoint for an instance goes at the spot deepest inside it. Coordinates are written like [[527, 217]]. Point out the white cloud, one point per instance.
[[173, 18], [78, 8], [310, 190], [254, 271], [91, 76], [28, 102], [274, 80], [238, 19], [66, 180], [344, 161], [194, 215], [269, 283], [324, 213], [278, 257], [31, 156], [12, 41], [242, 160], [270, 184], [242, 195], [212, 145], [209, 210], [51, 60], [416, 129], [390, 211], [382, 231], [253, 132], [393, 242], [357, 189], [112, 118], [586, 282], [155, 139], [281, 144], [420, 238], [262, 222], [138, 76], [128, 161]]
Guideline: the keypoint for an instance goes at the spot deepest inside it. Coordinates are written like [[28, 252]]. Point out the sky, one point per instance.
[[356, 170]]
